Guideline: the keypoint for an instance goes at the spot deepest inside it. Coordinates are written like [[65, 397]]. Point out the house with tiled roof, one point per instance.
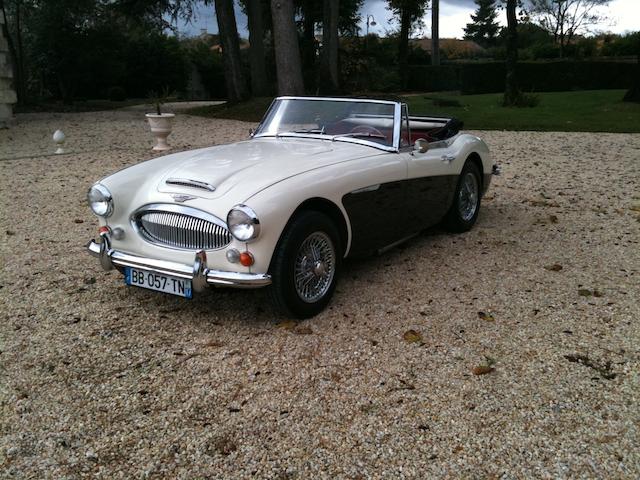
[[451, 47]]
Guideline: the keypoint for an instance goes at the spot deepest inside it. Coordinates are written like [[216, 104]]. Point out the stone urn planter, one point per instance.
[[161, 125]]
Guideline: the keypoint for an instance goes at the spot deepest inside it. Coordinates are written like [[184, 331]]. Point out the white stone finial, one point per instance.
[[59, 138]]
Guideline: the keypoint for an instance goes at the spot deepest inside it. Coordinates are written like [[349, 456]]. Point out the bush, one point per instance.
[[209, 65], [153, 62], [117, 94], [444, 102], [428, 78], [526, 100], [489, 77]]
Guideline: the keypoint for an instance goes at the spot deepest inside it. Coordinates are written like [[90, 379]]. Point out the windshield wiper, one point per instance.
[[310, 130], [360, 134]]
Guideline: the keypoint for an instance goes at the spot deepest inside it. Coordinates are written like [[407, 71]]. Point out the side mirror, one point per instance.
[[421, 145], [251, 132]]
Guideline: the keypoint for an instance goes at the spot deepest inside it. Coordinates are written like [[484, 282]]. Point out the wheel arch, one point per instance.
[[474, 157], [327, 207], [331, 210]]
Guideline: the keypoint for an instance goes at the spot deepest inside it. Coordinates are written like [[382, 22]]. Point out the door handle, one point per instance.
[[448, 158]]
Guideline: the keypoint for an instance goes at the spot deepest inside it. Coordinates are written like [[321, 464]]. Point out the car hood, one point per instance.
[[243, 168]]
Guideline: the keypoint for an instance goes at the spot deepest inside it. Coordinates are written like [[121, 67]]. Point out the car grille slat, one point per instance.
[[182, 229]]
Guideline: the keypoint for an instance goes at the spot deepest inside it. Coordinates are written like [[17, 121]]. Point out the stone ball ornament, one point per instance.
[[59, 138]]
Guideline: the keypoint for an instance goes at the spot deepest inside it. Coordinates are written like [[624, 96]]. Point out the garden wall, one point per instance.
[[489, 77], [7, 95]]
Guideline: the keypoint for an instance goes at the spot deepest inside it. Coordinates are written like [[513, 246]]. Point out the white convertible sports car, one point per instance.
[[319, 180]]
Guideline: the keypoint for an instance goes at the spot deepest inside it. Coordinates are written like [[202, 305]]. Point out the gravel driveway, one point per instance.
[[101, 380]]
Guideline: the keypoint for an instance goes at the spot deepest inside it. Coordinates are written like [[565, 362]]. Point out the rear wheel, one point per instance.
[[466, 202], [305, 266]]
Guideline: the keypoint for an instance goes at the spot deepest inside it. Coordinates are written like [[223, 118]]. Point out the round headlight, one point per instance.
[[243, 223], [100, 200]]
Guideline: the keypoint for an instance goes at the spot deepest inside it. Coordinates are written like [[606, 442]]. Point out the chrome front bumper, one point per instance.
[[198, 273]]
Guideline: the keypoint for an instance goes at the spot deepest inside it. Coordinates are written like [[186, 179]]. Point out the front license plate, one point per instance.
[[158, 282]]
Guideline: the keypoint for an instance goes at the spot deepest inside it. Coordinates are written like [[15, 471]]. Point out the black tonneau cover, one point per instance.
[[446, 127]]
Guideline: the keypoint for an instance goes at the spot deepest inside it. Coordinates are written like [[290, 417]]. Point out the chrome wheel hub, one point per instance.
[[468, 197], [314, 267]]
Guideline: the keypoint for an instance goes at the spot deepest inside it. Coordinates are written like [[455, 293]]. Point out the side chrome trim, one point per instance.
[[198, 273], [396, 243], [371, 188]]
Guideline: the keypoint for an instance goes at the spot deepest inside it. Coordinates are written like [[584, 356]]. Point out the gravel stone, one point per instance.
[[102, 380]]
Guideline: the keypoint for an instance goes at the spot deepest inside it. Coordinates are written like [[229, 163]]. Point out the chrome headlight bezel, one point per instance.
[[243, 223], [100, 200]]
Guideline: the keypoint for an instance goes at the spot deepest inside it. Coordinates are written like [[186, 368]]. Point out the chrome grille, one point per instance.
[[180, 229]]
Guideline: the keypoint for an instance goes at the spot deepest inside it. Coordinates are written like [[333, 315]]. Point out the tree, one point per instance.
[[435, 33], [511, 91], [483, 28], [254, 9], [285, 37], [329, 72], [566, 18], [234, 78], [633, 94], [309, 13], [409, 12]]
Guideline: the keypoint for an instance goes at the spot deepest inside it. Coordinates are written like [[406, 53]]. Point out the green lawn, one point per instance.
[[581, 111]]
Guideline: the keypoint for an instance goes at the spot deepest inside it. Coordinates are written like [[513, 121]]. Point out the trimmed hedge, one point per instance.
[[489, 77]]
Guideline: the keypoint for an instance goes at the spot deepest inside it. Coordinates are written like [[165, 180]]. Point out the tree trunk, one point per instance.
[[435, 32], [22, 77], [259, 86], [633, 94], [330, 82], [308, 46], [285, 38], [403, 46], [511, 92], [236, 87]]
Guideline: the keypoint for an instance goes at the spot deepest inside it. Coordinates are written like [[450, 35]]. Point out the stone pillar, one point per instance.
[[7, 94]]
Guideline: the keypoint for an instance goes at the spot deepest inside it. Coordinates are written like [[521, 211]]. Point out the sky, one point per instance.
[[623, 15]]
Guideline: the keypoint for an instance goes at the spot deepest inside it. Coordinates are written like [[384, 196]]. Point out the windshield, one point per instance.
[[348, 120]]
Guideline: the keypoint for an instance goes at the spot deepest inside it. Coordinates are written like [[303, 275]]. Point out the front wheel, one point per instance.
[[305, 266], [466, 202]]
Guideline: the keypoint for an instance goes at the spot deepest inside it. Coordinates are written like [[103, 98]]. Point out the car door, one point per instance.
[[377, 210], [431, 181]]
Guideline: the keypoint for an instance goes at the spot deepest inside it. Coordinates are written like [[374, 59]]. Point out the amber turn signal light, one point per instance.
[[246, 259]]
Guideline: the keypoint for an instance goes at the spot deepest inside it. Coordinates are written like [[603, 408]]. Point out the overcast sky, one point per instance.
[[624, 16]]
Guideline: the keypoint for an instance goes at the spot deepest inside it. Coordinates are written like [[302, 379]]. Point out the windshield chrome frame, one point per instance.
[[397, 118]]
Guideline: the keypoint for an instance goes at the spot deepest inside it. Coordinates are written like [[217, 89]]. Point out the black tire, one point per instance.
[[459, 218], [315, 229]]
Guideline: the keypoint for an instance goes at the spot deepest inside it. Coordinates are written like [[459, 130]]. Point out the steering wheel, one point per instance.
[[367, 129]]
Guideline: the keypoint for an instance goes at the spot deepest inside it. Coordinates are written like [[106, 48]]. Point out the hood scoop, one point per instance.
[[187, 182]]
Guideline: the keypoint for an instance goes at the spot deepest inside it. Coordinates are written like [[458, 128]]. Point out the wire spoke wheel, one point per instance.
[[468, 197], [314, 267]]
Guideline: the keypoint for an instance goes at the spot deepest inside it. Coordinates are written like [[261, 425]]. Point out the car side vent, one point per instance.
[[187, 182]]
